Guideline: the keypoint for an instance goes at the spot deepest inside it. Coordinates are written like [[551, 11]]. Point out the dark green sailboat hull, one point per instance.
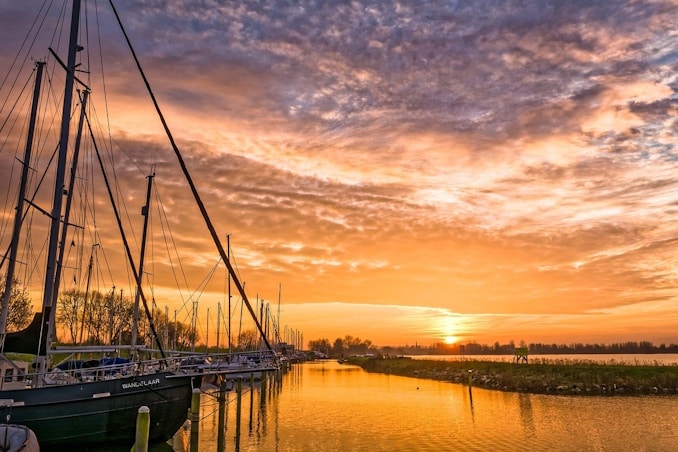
[[101, 412]]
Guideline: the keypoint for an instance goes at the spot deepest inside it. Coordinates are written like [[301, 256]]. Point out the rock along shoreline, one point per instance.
[[561, 378]]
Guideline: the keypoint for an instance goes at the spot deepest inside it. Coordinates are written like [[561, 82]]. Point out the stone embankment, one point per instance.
[[572, 378]]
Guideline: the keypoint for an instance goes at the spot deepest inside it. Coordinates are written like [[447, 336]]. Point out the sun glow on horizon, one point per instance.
[[451, 339]]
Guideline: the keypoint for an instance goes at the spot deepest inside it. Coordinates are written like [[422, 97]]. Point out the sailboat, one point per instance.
[[96, 403]]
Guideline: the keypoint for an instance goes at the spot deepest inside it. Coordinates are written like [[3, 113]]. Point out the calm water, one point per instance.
[[325, 406]]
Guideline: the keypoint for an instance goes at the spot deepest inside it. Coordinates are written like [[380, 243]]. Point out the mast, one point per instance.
[[194, 320], [218, 324], [166, 341], [84, 304], [128, 252], [191, 183], [51, 284], [145, 213], [69, 199], [277, 328], [9, 279], [228, 257]]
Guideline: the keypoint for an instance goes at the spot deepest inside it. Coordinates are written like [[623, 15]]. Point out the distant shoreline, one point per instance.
[[631, 359], [562, 378]]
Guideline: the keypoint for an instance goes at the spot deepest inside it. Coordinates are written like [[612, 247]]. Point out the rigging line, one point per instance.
[[150, 277], [17, 158], [111, 161], [234, 264], [124, 151], [169, 254], [109, 139], [19, 97], [202, 285], [16, 57], [189, 179], [120, 198], [126, 244], [163, 215], [109, 153], [86, 57], [82, 218], [91, 208], [35, 193], [158, 204], [44, 174], [103, 77], [65, 68]]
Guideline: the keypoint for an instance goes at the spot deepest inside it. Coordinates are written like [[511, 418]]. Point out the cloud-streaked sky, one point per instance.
[[411, 170]]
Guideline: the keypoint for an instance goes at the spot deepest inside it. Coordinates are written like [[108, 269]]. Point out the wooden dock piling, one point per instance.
[[195, 419], [221, 433], [263, 390], [238, 411], [251, 399], [470, 386], [143, 429]]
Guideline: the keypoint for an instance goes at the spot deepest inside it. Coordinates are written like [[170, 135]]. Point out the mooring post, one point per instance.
[[251, 398], [470, 385], [195, 419], [143, 428], [238, 411], [221, 443], [264, 380]]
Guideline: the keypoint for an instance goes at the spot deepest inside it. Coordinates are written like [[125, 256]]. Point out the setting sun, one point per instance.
[[451, 339]]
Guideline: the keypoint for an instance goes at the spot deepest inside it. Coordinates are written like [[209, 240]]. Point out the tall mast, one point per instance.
[[191, 184], [228, 257], [277, 329], [51, 284], [84, 304], [145, 213], [69, 199], [218, 324], [20, 205]]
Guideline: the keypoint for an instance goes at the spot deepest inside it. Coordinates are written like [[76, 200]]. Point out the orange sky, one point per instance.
[[406, 171]]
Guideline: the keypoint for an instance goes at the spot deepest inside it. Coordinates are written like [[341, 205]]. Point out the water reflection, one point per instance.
[[526, 415], [325, 406]]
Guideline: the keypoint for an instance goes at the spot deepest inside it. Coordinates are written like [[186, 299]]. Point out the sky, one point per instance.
[[407, 172]]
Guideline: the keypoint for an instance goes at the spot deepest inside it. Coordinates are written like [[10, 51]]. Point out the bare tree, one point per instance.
[[248, 340], [20, 306], [69, 312]]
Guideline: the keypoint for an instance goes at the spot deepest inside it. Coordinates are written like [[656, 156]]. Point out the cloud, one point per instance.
[[475, 157]]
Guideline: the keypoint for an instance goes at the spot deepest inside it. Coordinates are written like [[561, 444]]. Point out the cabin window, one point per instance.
[[9, 373]]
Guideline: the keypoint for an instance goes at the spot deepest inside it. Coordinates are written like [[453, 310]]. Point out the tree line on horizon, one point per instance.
[[105, 318], [350, 345], [96, 318], [538, 348]]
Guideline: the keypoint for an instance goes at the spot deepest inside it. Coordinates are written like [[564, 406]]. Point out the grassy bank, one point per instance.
[[576, 378]]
